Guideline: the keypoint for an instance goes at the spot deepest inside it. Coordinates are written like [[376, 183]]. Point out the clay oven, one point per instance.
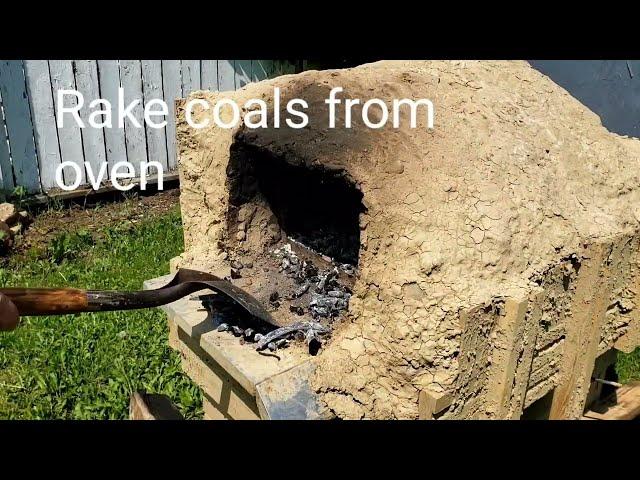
[[481, 266]]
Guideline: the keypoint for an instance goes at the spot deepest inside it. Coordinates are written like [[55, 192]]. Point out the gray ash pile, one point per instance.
[[311, 298], [327, 297], [227, 316]]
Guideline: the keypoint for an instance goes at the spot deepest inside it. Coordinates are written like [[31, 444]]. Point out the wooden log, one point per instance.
[[431, 403], [146, 406], [593, 287], [631, 338], [513, 347]]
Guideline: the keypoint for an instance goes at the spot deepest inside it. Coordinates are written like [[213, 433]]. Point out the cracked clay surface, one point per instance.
[[515, 174]]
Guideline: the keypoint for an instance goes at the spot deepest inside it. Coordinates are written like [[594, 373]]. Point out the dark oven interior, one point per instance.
[[293, 235]]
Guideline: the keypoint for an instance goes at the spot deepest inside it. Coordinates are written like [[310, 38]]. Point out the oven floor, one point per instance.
[[277, 291]]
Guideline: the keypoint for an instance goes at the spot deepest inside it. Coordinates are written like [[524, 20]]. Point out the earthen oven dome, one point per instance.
[[499, 202]]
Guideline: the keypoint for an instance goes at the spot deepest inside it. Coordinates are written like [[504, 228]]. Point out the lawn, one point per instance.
[[86, 366], [628, 366]]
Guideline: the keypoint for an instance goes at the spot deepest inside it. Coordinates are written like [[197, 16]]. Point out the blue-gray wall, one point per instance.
[[610, 88]]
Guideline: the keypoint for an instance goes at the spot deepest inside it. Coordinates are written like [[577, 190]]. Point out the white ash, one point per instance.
[[328, 297], [309, 331], [237, 331]]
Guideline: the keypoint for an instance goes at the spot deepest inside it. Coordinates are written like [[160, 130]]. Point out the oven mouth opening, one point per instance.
[[293, 236], [314, 206]]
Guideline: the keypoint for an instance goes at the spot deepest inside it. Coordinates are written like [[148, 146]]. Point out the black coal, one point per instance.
[[328, 296]]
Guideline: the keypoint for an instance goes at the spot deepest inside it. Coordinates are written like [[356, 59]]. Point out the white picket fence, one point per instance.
[[31, 145]]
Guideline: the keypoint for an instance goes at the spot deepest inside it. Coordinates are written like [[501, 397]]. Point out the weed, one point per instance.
[[19, 194], [69, 245]]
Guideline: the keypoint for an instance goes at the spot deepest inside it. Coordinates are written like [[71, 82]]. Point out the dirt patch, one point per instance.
[[93, 214]]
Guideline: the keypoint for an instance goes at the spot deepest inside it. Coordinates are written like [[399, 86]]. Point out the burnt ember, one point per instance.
[[308, 331], [319, 293], [228, 317], [328, 296]]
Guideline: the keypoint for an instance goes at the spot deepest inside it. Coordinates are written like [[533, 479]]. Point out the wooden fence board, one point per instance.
[[69, 136], [261, 69], [152, 86], [131, 79], [13, 90], [284, 67], [172, 84], [114, 137], [44, 120], [242, 73], [190, 76], [226, 75], [32, 147], [209, 75], [95, 154], [6, 172]]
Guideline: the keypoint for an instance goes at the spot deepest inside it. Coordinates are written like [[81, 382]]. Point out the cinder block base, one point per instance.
[[237, 382], [224, 397]]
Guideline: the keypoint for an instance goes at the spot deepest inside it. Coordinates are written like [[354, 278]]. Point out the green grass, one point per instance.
[[628, 366], [86, 366]]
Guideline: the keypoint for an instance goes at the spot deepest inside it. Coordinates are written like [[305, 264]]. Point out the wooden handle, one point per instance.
[[47, 301], [58, 301]]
